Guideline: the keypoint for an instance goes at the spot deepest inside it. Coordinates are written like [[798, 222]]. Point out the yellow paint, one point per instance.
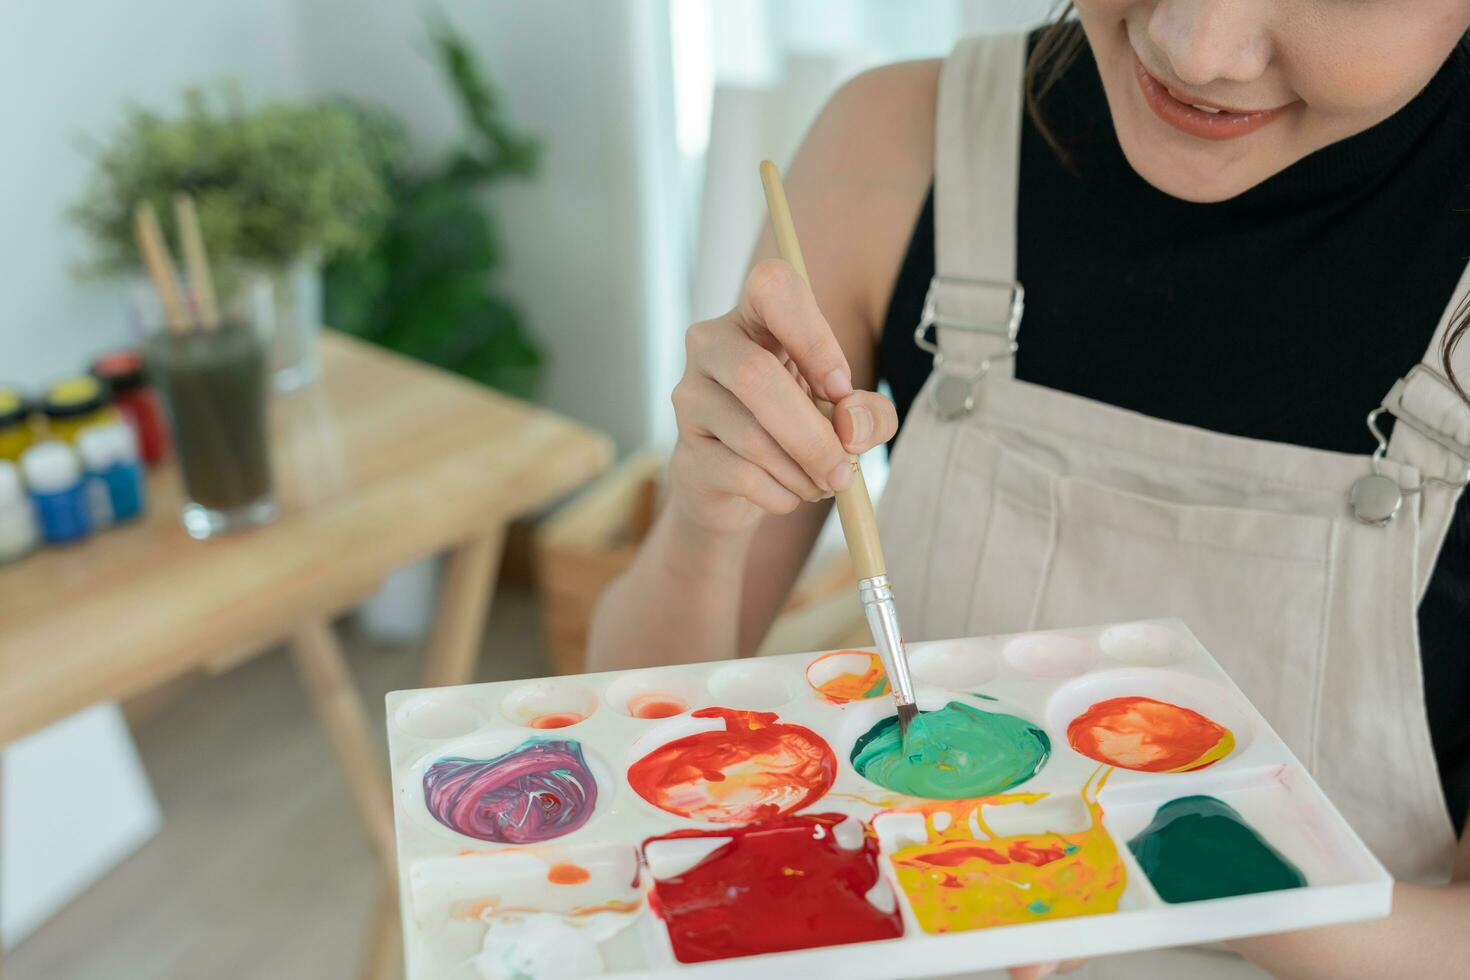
[[870, 682], [965, 877], [1215, 753]]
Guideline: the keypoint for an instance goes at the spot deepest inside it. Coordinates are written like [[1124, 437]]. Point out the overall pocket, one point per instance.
[[1251, 584]]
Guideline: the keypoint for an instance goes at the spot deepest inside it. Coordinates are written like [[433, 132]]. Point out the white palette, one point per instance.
[[570, 905]]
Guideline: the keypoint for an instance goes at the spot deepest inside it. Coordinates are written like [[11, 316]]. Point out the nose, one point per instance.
[[1213, 40]]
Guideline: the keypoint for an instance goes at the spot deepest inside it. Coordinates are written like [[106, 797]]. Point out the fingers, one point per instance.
[[714, 468], [726, 419], [776, 300], [1071, 966], [863, 420], [761, 383], [1033, 971]]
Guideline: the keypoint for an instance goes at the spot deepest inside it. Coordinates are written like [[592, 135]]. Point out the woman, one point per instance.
[[1239, 226]]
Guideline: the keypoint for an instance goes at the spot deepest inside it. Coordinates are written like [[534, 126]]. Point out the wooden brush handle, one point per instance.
[[160, 267], [854, 505]]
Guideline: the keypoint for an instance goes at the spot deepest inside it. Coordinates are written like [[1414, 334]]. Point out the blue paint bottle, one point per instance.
[[54, 477], [110, 453]]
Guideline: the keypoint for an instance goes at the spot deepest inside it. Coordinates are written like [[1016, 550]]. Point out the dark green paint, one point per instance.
[[1198, 848]]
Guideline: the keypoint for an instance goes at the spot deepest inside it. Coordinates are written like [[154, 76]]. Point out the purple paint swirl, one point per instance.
[[539, 790]]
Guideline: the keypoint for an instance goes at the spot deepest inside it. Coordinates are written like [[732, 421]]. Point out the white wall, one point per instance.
[[65, 70], [575, 74]]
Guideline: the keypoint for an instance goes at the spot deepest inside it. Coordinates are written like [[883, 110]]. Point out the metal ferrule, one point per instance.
[[877, 599]]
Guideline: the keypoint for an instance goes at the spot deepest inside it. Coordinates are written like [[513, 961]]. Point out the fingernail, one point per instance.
[[840, 477], [838, 385], [862, 425]]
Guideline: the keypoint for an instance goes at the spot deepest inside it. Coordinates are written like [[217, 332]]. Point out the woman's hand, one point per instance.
[[750, 439], [1038, 970]]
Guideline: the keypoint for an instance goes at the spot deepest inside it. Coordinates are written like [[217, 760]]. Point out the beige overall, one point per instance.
[[1019, 507]]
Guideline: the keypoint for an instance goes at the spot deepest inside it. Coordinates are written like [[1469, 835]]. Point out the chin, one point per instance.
[[1191, 174]]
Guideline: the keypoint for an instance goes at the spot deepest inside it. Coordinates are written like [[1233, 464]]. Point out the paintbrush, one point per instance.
[[854, 506], [160, 267]]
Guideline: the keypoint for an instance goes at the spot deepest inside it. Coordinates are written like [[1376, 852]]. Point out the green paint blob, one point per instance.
[[1199, 848], [952, 754]]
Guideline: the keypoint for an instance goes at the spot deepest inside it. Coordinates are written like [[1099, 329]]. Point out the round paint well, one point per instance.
[[456, 789], [654, 694], [958, 748], [844, 676], [549, 704], [953, 664], [1141, 644], [752, 685], [728, 765], [438, 714], [1108, 706], [1052, 654]]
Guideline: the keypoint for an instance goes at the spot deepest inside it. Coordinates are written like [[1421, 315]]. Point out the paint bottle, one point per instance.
[[18, 531], [73, 404], [110, 454], [54, 475], [15, 433], [135, 400]]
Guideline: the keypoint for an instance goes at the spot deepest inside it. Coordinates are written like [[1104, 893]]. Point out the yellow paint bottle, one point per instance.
[[73, 404], [15, 434]]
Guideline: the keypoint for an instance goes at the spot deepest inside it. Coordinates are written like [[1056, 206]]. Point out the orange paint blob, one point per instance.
[[567, 874], [655, 705], [868, 681], [560, 719], [1149, 736]]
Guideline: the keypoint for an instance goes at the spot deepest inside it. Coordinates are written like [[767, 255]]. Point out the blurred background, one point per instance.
[[533, 197]]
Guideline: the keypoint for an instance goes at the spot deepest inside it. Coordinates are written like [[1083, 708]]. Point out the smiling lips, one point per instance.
[[1206, 120]]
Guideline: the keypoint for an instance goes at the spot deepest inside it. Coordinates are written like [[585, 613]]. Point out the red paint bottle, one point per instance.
[[122, 373]]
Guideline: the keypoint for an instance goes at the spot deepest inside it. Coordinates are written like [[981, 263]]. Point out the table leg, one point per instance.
[[383, 958], [333, 694], [459, 625], [464, 601]]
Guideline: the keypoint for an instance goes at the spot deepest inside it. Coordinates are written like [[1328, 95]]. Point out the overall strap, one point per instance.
[[971, 305], [1432, 432]]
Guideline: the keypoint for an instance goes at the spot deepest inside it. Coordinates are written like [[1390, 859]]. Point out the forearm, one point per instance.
[[679, 602], [1427, 935]]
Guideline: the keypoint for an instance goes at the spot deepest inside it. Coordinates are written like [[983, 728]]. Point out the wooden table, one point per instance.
[[382, 462]]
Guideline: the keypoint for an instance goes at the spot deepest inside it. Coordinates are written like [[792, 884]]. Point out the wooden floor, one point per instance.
[[260, 870]]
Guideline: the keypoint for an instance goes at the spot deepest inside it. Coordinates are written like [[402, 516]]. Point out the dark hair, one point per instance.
[[1452, 339], [1056, 49]]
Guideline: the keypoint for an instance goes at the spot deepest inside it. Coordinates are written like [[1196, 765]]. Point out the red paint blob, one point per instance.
[[780, 885], [567, 874], [756, 769], [558, 720], [655, 706]]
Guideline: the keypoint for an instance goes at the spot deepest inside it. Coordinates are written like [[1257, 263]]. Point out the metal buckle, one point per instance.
[[953, 394], [1393, 404], [1375, 499]]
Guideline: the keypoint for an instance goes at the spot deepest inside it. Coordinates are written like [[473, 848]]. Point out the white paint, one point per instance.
[[848, 834], [671, 858], [881, 896], [546, 947]]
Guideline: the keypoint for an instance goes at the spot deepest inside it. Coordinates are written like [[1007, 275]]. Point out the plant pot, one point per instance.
[[296, 290]]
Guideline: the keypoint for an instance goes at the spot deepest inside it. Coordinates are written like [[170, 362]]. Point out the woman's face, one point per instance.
[[1287, 76]]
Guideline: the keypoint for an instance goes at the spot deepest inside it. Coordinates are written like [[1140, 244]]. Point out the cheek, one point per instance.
[[1358, 67]]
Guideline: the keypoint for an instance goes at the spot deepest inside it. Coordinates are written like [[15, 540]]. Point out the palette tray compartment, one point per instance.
[[1069, 794]]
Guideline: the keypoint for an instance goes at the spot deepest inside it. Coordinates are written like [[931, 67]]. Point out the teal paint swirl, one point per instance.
[[952, 754], [1198, 848]]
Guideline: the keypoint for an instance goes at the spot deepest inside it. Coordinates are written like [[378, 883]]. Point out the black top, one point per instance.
[[1284, 314]]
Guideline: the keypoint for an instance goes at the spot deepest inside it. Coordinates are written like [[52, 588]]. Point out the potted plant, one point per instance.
[[279, 187], [424, 285]]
